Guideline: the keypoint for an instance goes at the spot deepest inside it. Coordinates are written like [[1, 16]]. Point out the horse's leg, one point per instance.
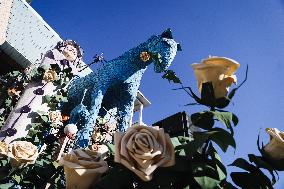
[[126, 107], [83, 135]]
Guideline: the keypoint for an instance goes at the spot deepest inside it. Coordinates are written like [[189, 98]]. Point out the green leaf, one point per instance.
[[121, 176], [44, 118], [55, 164], [46, 99], [226, 118], [170, 75], [221, 137], [8, 102], [111, 148], [243, 179], [243, 164], [175, 141], [45, 66], [193, 146], [207, 182], [205, 175], [163, 178], [204, 120], [227, 185], [254, 179], [260, 162], [181, 164], [6, 186], [17, 178], [221, 169]]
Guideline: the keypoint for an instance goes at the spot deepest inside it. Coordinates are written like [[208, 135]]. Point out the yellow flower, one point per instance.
[[3, 148], [49, 76], [82, 168], [219, 71], [142, 149], [22, 153], [275, 147], [145, 56]]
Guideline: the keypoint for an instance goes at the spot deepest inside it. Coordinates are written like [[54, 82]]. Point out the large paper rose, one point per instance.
[[275, 148], [49, 76], [219, 71], [82, 168], [22, 153], [142, 149]]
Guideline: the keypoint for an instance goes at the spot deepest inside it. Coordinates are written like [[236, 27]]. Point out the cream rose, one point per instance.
[[100, 149], [13, 92], [219, 71], [142, 149], [275, 148], [3, 148], [49, 76], [70, 130], [22, 153], [82, 168], [55, 117]]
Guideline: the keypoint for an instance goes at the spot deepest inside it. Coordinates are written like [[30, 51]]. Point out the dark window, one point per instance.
[[175, 125], [7, 64]]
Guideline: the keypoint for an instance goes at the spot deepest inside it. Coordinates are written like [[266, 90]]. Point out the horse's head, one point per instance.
[[163, 48]]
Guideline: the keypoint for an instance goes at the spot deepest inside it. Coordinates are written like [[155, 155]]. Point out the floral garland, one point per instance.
[[11, 88]]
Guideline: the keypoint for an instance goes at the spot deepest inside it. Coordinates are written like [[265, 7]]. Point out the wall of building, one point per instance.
[[24, 35], [27, 35]]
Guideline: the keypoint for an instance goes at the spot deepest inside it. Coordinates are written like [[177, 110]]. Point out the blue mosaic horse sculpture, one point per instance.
[[120, 76]]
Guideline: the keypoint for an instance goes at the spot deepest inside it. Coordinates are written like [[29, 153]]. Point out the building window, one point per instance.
[[7, 64]]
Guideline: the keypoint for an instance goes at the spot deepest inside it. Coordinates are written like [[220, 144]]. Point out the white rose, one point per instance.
[[70, 130]]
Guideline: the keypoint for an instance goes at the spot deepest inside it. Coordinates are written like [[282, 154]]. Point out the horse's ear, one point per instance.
[[167, 34], [179, 47]]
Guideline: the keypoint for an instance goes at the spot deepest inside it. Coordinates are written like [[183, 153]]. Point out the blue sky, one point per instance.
[[250, 32]]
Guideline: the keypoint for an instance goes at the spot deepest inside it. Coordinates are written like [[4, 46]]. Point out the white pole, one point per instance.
[[140, 122]]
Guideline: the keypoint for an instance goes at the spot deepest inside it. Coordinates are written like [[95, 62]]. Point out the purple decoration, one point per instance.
[[39, 91], [64, 62], [25, 109], [11, 132]]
